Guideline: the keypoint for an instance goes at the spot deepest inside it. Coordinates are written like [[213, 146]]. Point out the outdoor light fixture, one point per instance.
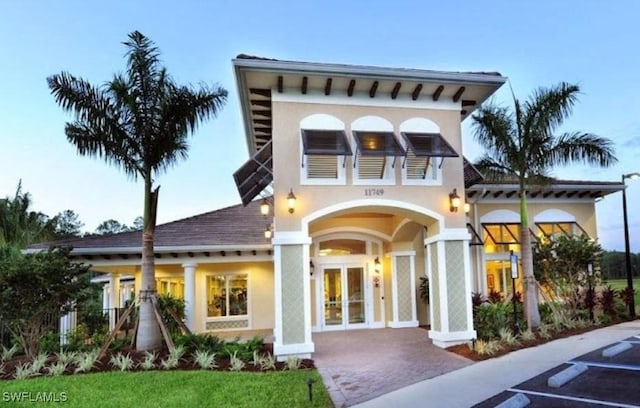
[[264, 207], [377, 266], [267, 232], [454, 201], [312, 268], [627, 250], [467, 208], [291, 201]]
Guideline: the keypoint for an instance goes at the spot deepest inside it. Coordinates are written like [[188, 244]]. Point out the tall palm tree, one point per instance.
[[139, 122], [522, 144]]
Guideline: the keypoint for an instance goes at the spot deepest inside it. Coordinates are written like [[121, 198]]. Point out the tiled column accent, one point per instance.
[[450, 287], [189, 294], [292, 330], [403, 287]]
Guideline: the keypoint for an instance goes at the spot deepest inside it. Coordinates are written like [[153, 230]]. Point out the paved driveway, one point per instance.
[[358, 365]]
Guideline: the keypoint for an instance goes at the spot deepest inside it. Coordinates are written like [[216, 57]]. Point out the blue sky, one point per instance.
[[534, 43]]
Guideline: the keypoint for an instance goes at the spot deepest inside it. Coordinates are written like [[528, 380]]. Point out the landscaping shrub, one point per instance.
[[494, 297], [203, 342], [243, 351], [608, 301], [166, 302], [477, 299], [488, 319]]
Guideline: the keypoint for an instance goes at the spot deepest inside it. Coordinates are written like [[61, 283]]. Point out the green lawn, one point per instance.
[[171, 389], [622, 283]]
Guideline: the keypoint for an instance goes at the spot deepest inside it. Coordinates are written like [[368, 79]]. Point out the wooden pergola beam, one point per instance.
[[280, 83], [350, 88], [327, 87], [436, 94], [416, 92], [396, 89], [264, 104], [374, 88], [261, 92], [262, 122], [458, 94], [467, 102], [305, 82], [262, 112]]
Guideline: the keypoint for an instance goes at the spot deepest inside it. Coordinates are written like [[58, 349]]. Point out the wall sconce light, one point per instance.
[[377, 266], [467, 208], [454, 201], [312, 268], [291, 201], [267, 232], [264, 207]]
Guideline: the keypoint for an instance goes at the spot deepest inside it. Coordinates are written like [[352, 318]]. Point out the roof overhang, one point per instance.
[[559, 189], [258, 78]]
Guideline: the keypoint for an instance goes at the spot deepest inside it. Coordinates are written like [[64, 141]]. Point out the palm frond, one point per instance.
[[547, 108], [582, 147]]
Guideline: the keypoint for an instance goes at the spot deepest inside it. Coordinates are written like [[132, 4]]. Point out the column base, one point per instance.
[[300, 350], [448, 339], [397, 325]]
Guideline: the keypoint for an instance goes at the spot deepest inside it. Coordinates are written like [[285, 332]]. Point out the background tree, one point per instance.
[[19, 225], [521, 144], [36, 289], [111, 227], [139, 121], [68, 225], [138, 224]]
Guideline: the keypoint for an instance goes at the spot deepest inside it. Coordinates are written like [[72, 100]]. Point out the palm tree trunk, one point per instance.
[[530, 286], [148, 337]]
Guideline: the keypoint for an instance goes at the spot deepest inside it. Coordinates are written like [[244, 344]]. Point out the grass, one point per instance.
[[618, 284], [177, 389]]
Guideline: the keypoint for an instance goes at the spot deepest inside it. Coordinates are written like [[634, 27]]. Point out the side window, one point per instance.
[[227, 295]]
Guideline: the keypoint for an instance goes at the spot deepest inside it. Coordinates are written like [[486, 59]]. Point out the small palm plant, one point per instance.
[[148, 363], [123, 362], [205, 359]]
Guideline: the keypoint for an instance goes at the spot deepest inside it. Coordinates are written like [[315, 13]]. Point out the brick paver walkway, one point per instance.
[[358, 365]]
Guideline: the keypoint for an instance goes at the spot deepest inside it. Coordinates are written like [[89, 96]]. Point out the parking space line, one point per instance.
[[577, 399], [607, 365]]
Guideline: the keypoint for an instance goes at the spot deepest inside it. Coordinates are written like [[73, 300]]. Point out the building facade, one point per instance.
[[359, 172]]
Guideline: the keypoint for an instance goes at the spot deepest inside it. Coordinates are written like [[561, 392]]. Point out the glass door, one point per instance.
[[355, 296], [332, 283], [344, 299]]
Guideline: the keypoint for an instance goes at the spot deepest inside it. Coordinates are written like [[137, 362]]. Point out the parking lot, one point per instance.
[[608, 381]]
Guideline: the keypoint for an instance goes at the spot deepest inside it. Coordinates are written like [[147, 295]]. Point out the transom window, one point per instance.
[[553, 229], [227, 295], [335, 247]]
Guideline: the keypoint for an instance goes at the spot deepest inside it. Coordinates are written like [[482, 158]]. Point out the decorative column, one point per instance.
[[114, 300], [450, 287], [189, 294], [403, 287], [292, 330]]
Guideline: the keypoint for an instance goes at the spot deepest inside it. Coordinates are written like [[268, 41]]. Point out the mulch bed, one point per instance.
[[186, 363], [464, 350]]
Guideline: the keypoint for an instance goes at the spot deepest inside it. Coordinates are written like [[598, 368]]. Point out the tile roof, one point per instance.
[[233, 226]]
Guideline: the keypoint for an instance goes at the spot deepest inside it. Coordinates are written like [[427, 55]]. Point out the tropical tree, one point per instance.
[[138, 121], [111, 227], [68, 225], [523, 144], [19, 225]]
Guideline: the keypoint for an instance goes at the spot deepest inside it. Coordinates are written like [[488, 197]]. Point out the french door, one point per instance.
[[344, 297]]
